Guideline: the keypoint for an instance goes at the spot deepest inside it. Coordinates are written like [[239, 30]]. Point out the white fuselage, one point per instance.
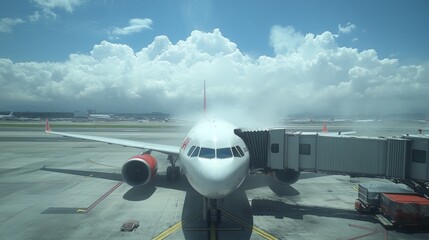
[[214, 160]]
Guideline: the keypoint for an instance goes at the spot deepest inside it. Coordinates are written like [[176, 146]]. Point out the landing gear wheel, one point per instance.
[[169, 173], [176, 172], [218, 216], [213, 216]]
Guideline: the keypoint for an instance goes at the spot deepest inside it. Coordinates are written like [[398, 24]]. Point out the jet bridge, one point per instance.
[[400, 158]]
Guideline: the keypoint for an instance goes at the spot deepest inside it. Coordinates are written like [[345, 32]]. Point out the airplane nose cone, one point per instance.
[[219, 178]]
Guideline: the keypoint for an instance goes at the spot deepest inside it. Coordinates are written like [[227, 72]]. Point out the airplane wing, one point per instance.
[[167, 149]]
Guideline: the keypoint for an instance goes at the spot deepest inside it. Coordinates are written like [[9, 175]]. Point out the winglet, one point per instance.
[[205, 106], [324, 129], [47, 128]]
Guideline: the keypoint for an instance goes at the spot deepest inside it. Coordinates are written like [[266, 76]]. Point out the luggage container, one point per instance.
[[405, 209], [369, 194]]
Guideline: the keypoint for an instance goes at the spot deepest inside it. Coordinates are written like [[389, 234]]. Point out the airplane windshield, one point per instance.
[[196, 151], [235, 152], [191, 150], [223, 153], [211, 153], [207, 153], [239, 150]]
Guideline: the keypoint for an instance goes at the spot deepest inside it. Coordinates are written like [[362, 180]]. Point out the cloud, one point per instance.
[[68, 5], [285, 39], [135, 25], [47, 8], [34, 17], [347, 29], [309, 74], [6, 24]]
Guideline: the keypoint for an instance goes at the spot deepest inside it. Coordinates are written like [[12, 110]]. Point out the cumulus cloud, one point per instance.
[[309, 74], [285, 39], [7, 24], [346, 29], [135, 25]]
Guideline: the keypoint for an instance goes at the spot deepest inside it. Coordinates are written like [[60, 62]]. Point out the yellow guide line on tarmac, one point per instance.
[[169, 231], [174, 228], [213, 230], [257, 230]]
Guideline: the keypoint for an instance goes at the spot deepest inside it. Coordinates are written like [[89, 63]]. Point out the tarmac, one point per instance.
[[61, 188]]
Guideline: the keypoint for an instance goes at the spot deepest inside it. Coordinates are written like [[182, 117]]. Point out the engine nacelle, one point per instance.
[[287, 176], [139, 170]]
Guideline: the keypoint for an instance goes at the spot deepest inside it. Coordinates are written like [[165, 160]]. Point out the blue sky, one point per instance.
[[392, 27], [356, 47]]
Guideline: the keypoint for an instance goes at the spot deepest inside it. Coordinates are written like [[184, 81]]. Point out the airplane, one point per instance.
[[213, 158], [105, 117], [9, 116]]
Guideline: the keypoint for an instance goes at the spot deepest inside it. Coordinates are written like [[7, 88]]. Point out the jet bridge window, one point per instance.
[[275, 148], [304, 149], [207, 153], [223, 153]]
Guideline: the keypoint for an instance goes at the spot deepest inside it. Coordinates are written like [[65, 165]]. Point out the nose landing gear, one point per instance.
[[211, 213], [173, 171]]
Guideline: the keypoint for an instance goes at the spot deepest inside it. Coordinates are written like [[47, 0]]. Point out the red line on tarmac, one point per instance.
[[103, 197], [372, 231]]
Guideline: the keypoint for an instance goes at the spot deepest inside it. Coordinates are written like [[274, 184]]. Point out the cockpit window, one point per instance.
[[235, 152], [196, 152], [207, 153], [223, 153], [191, 150], [211, 153], [239, 150]]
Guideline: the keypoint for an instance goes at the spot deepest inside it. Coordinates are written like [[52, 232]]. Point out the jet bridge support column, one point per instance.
[[276, 149]]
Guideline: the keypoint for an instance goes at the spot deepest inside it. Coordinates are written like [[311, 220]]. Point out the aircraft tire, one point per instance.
[[176, 172], [169, 173]]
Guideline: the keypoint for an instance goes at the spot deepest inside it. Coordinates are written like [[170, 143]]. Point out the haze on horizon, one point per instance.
[[278, 59]]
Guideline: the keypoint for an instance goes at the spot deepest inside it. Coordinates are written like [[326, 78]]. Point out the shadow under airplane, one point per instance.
[[237, 211]]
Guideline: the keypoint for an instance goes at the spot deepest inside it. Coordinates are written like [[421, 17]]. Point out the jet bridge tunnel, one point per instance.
[[400, 158]]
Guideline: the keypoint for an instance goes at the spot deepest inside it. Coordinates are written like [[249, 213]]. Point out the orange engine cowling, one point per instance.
[[139, 170]]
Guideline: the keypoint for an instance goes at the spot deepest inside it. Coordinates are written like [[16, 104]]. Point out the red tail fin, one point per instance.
[[47, 128], [324, 129]]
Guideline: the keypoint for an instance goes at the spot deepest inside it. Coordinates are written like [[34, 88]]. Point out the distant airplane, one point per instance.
[[9, 116], [212, 157], [100, 117]]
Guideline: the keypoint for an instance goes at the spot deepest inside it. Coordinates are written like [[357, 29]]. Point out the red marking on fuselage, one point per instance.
[[185, 143]]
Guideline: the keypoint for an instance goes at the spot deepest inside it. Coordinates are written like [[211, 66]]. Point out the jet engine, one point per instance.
[[139, 170], [287, 176]]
